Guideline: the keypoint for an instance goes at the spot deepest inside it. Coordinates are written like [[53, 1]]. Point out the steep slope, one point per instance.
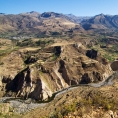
[[101, 21], [77, 19], [51, 69], [81, 102], [35, 24]]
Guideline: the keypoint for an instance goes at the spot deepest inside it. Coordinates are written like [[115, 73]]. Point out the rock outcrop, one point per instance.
[[91, 54]]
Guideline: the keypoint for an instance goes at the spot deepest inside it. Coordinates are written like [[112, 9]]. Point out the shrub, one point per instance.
[[64, 110], [1, 63]]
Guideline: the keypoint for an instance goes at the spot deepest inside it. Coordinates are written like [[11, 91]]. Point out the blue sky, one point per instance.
[[76, 7]]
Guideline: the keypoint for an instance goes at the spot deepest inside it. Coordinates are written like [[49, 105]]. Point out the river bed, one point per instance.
[[22, 106]]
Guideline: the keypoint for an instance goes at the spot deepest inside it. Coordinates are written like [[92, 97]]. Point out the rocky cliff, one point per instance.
[[56, 67]]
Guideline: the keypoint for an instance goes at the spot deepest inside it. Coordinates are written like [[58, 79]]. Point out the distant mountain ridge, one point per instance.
[[51, 23], [34, 23], [101, 21], [33, 13], [77, 19]]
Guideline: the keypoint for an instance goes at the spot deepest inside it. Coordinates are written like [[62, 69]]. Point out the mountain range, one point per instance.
[[51, 23], [33, 23], [101, 21]]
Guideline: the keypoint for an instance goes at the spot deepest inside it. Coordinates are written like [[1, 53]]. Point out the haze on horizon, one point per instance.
[[76, 7]]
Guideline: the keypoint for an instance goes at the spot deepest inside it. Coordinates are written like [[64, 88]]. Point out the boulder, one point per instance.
[[114, 65]]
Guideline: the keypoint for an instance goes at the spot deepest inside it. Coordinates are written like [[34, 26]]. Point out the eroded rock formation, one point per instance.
[[91, 54], [63, 66]]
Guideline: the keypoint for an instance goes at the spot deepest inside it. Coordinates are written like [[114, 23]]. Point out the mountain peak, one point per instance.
[[32, 13], [50, 14], [2, 13]]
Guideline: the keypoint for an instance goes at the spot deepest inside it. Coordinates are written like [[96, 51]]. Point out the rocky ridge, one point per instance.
[[36, 24], [101, 21], [56, 67]]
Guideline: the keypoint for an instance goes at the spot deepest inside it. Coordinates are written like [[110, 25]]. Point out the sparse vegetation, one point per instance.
[[54, 57], [64, 110], [1, 63], [110, 58], [85, 105], [98, 100], [10, 115]]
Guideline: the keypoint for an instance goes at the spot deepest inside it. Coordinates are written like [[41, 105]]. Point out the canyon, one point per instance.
[[58, 66], [65, 65]]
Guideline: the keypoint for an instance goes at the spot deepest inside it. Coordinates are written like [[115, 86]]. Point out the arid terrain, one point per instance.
[[58, 66]]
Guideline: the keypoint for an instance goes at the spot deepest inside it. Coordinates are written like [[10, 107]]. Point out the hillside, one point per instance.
[[50, 69], [77, 19], [36, 24], [101, 21], [81, 102]]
